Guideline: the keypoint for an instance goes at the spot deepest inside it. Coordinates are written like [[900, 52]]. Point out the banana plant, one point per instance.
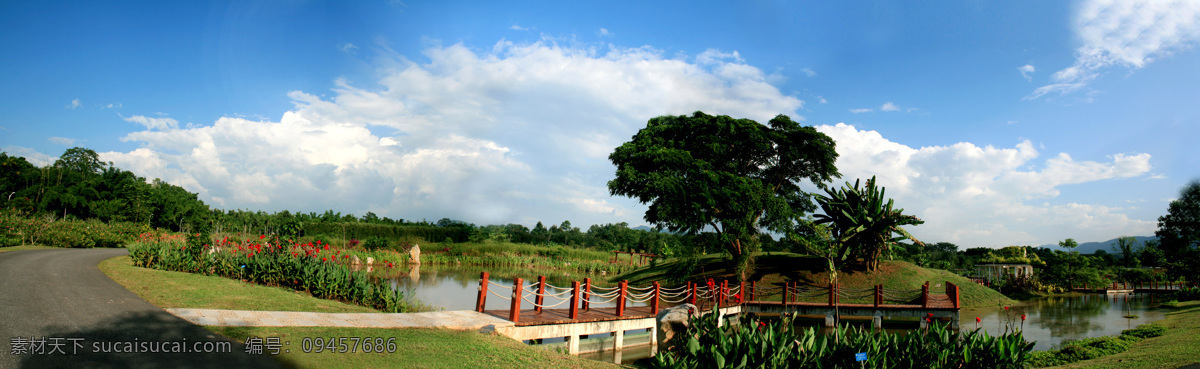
[[864, 221]]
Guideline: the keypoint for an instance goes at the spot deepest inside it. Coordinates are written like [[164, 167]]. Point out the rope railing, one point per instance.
[[581, 295]]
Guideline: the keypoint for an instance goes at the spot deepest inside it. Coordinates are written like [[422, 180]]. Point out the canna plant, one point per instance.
[[780, 344]]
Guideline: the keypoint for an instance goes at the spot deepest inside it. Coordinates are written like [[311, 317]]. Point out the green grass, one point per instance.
[[1179, 347], [27, 247], [169, 289], [415, 348], [777, 268]]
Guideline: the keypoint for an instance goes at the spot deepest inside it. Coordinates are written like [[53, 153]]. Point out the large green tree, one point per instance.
[[1179, 233], [864, 220], [730, 176]]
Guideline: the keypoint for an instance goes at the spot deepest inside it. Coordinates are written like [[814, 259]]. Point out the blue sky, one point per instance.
[[1007, 123]]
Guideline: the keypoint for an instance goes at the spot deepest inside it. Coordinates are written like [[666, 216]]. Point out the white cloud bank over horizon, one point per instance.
[[521, 133]]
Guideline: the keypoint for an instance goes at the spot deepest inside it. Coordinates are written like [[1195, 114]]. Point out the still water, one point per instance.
[[1048, 321]]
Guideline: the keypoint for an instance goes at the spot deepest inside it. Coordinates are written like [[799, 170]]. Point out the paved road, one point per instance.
[[62, 297]]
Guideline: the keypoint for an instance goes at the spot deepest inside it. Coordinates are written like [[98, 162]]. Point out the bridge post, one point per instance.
[[692, 295], [925, 295], [654, 302], [878, 295], [541, 293], [621, 299], [753, 289], [831, 294], [724, 293], [481, 300], [514, 312], [786, 288], [587, 293], [574, 311], [742, 292]]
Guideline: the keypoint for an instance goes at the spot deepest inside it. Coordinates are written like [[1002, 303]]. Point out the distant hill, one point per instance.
[[1107, 246]]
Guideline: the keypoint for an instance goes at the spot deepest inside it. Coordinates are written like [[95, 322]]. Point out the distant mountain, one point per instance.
[[643, 228], [1107, 246]]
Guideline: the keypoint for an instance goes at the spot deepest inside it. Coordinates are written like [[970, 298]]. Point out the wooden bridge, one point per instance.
[[545, 320], [1126, 287]]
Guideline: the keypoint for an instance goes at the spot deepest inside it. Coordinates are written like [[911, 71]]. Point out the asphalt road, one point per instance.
[[61, 298]]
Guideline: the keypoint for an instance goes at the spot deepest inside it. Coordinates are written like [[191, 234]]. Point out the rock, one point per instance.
[[354, 260], [672, 322], [370, 260], [414, 254]]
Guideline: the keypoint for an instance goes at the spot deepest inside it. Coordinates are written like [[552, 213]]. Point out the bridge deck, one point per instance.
[[531, 317]]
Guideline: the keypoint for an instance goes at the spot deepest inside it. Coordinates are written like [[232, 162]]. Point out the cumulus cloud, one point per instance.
[[988, 196], [822, 100], [516, 133], [604, 32], [809, 72], [62, 141], [348, 48], [74, 104], [889, 106], [161, 124], [32, 156], [1026, 70], [1128, 34], [861, 110]]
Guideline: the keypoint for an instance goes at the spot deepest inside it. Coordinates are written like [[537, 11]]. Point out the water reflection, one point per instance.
[[456, 288], [1052, 320]]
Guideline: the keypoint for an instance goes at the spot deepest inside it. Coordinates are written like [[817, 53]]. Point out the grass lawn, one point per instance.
[[27, 247], [778, 267], [415, 348], [168, 289], [1178, 348]]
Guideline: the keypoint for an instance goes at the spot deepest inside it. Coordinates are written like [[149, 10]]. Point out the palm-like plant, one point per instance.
[[860, 219]]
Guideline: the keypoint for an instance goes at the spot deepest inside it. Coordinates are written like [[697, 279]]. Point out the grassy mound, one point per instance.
[[775, 269]]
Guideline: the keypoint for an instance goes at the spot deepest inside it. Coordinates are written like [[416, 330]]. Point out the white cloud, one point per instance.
[[113, 106], [348, 48], [822, 100], [153, 123], [517, 133], [862, 110], [1026, 70], [604, 32], [74, 104], [809, 72], [32, 156], [62, 141], [1129, 34], [518, 28], [983, 196], [889, 106]]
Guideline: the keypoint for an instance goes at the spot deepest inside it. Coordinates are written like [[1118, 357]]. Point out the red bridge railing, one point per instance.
[[581, 295]]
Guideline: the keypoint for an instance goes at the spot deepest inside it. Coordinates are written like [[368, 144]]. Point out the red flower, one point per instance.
[[262, 236], [345, 256], [761, 325], [1006, 308], [1022, 317], [977, 320], [326, 247], [324, 259]]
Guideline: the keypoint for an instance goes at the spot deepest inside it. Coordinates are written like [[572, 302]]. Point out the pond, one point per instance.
[[1049, 321]]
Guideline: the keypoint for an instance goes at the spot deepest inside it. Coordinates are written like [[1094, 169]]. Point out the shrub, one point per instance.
[[779, 344], [375, 243]]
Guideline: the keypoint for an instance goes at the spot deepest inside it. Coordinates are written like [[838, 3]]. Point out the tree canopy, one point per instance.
[[731, 176], [1179, 233]]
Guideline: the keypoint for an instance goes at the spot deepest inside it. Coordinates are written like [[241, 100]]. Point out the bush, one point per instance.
[[306, 267], [779, 344], [375, 243], [1091, 348]]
